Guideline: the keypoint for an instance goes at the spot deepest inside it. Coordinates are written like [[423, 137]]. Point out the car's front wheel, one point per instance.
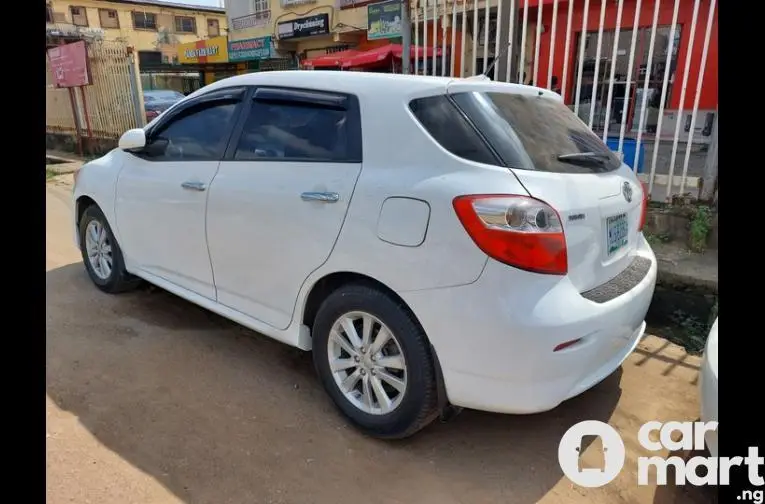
[[374, 361], [102, 255]]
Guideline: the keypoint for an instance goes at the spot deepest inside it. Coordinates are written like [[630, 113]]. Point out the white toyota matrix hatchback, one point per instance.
[[435, 242]]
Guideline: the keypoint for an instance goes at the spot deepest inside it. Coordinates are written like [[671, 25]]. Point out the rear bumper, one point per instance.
[[496, 349]]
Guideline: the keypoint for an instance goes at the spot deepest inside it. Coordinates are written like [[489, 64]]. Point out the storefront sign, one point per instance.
[[251, 21], [213, 50], [304, 27], [292, 3], [351, 4], [69, 65], [384, 20], [250, 49]]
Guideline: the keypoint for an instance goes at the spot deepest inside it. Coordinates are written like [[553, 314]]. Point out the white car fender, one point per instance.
[[97, 180]]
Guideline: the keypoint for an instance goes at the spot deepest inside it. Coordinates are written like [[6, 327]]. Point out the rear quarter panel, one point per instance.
[[402, 160]]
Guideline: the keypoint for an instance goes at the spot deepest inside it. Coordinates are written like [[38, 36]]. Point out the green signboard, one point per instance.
[[384, 20]]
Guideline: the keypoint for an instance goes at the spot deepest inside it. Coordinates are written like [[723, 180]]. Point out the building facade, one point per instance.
[[302, 29], [153, 28], [669, 38]]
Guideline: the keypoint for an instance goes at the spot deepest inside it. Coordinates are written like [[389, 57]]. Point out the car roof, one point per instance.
[[372, 85]]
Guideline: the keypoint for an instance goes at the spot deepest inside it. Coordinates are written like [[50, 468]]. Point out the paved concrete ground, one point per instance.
[[63, 162], [152, 400]]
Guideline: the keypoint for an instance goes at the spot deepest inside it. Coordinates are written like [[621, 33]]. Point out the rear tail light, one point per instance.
[[644, 206], [516, 230]]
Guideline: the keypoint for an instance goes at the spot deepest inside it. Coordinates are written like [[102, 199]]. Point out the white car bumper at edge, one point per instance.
[[708, 388], [495, 337]]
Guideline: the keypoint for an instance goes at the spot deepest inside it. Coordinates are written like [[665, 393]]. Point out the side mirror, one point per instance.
[[133, 140]]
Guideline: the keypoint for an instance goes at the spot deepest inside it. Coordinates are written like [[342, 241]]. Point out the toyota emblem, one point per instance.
[[627, 192]]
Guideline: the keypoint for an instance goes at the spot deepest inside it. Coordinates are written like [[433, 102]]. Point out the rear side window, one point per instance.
[[532, 132], [448, 126]]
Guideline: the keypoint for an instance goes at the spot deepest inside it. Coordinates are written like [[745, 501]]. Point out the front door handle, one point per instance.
[[326, 197], [194, 186]]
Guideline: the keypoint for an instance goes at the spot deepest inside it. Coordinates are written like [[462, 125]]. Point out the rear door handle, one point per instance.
[[326, 197], [194, 186]]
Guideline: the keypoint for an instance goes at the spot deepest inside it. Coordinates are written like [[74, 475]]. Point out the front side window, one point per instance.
[[198, 133], [297, 132]]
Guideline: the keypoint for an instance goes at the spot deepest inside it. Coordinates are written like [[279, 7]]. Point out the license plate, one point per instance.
[[617, 233]]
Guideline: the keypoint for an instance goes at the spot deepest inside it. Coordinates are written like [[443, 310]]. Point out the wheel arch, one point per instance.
[[81, 204], [330, 282]]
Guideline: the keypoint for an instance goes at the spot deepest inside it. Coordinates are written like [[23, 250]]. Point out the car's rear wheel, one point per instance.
[[374, 361], [102, 255]]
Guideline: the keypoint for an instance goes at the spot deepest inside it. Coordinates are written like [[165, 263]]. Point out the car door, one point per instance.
[[279, 199], [161, 193]]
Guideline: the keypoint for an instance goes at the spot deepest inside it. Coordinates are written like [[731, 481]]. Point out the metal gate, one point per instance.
[[641, 73], [105, 109]]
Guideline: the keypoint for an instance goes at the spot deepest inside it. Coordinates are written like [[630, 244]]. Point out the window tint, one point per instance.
[[299, 132], [448, 127], [198, 133], [545, 129]]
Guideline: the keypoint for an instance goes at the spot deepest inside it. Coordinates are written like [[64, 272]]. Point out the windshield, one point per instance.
[[536, 133]]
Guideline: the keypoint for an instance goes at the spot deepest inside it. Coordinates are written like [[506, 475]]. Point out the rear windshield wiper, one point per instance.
[[585, 158]]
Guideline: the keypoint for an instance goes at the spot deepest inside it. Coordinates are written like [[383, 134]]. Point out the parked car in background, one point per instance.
[[433, 241], [708, 388], [157, 101]]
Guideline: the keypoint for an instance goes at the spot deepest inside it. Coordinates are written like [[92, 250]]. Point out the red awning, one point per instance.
[[379, 55], [329, 60]]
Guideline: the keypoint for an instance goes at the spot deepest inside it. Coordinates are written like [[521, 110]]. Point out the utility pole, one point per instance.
[[406, 37]]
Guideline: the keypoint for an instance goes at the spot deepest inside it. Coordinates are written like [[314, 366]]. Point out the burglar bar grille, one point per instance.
[[641, 73]]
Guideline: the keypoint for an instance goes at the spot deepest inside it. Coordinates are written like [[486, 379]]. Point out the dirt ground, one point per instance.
[[153, 400]]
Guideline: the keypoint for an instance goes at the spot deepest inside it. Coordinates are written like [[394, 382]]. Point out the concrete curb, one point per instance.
[[681, 269], [62, 164]]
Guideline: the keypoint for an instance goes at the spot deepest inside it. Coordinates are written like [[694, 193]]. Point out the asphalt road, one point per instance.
[[151, 399]]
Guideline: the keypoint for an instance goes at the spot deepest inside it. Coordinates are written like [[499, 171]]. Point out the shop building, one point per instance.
[[209, 58], [481, 46], [257, 54], [154, 28], [685, 34], [302, 29]]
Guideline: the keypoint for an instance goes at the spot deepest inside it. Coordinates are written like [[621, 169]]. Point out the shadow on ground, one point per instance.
[[219, 414], [672, 493]]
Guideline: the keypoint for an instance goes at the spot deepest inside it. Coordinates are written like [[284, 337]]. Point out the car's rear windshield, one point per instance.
[[526, 132]]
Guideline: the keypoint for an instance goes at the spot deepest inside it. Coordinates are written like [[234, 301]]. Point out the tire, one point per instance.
[[118, 279], [410, 410]]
